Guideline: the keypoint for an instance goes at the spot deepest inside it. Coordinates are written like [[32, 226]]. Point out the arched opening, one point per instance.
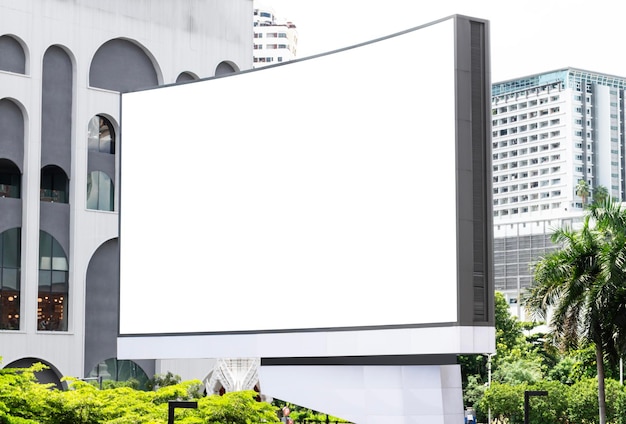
[[49, 375], [225, 68], [54, 185], [10, 265], [10, 179], [12, 131], [186, 77], [114, 369], [12, 56], [138, 70], [53, 292], [57, 99]]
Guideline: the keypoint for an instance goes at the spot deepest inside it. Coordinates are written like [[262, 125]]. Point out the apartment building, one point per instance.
[[275, 39], [549, 132]]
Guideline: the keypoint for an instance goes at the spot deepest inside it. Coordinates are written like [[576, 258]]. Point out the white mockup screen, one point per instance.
[[315, 195]]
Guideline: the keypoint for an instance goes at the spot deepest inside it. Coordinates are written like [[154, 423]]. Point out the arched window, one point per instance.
[[101, 135], [9, 179], [186, 76], [53, 285], [120, 370], [100, 191], [225, 68], [10, 260], [138, 70], [12, 56], [54, 185]]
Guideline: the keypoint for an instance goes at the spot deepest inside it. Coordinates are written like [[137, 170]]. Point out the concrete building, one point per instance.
[[62, 65], [275, 39], [550, 131]]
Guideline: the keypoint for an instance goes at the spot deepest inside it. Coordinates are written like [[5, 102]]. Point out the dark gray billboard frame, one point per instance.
[[473, 138]]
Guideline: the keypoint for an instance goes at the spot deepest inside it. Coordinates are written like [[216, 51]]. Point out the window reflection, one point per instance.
[[53, 285], [120, 370], [10, 259], [101, 135], [99, 191]]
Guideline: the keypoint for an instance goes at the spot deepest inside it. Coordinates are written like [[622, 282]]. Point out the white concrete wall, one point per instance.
[[182, 35]]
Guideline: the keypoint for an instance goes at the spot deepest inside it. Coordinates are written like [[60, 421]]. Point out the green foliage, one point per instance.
[[24, 401], [549, 409], [236, 407], [519, 371], [302, 414], [506, 402], [473, 393], [620, 407], [509, 334], [600, 195], [582, 190], [583, 401], [160, 380], [187, 390]]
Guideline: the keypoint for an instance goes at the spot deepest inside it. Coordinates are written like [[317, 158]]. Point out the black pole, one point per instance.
[[527, 395], [173, 404]]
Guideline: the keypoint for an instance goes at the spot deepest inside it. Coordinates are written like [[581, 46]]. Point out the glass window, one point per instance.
[[120, 370], [53, 285], [54, 185], [10, 259], [9, 179], [100, 191], [101, 135]]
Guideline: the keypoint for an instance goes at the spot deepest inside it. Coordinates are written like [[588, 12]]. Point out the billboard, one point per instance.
[[315, 208]]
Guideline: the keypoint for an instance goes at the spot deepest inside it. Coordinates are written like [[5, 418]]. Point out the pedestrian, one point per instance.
[[286, 418]]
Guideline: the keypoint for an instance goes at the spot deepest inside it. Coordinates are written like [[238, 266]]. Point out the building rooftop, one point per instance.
[[565, 76]]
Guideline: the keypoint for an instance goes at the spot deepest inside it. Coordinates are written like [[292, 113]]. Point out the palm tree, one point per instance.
[[582, 191], [569, 282], [600, 195], [610, 221]]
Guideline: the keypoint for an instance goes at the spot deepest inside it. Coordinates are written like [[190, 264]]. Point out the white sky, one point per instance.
[[527, 37]]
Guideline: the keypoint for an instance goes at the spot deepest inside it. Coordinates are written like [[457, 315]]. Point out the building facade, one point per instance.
[[62, 66], [275, 39], [549, 132]]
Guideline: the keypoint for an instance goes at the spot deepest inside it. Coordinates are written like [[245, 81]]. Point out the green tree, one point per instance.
[[569, 283], [582, 191], [519, 371], [611, 224], [163, 380], [600, 195], [583, 401], [506, 402], [552, 408], [236, 407], [509, 331], [472, 395]]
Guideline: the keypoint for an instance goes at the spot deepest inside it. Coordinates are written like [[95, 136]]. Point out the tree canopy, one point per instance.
[[582, 286]]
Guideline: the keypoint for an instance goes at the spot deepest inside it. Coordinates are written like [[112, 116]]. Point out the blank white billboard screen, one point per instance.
[[315, 195]]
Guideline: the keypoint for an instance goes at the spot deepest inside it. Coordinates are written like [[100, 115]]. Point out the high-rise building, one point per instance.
[[275, 39], [62, 66], [551, 131]]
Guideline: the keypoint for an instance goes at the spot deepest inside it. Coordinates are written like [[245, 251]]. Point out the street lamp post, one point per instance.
[[489, 356]]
